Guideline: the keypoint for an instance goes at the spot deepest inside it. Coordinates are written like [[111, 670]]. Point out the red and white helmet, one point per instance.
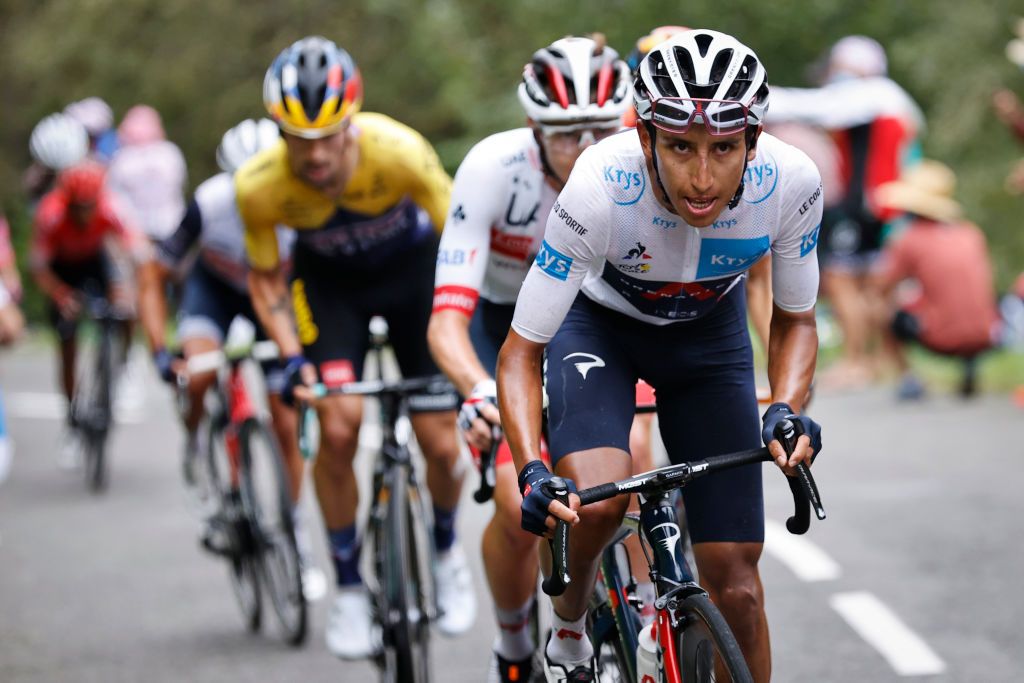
[[702, 75], [575, 80]]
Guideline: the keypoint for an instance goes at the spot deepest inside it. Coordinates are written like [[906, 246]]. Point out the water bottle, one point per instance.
[[647, 655]]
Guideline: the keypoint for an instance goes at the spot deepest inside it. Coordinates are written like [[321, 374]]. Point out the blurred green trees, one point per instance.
[[449, 68]]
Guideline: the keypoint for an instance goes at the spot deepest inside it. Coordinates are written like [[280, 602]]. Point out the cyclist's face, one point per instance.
[[700, 171], [564, 146], [81, 213], [321, 162]]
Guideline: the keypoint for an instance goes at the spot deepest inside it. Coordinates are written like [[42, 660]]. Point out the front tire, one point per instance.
[[707, 650], [266, 499]]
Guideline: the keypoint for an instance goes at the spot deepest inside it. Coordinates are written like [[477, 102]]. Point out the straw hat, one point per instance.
[[926, 189]]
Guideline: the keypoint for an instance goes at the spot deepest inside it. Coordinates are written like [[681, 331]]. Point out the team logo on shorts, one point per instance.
[[585, 366]]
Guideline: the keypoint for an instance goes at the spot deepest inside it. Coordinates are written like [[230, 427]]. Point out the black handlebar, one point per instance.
[[802, 486]]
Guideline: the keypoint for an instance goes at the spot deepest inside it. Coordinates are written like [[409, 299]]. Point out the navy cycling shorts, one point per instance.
[[703, 377], [208, 305], [487, 331]]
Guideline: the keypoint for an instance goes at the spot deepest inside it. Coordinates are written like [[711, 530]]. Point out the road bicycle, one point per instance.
[[248, 487], [92, 406], [399, 525], [691, 639]]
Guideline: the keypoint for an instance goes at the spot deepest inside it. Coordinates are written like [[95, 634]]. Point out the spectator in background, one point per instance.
[[57, 142], [148, 173], [12, 322], [98, 119], [1010, 111], [874, 124], [954, 311]]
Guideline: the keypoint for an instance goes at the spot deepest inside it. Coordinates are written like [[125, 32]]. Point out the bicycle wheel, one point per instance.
[[403, 618], [98, 414], [706, 648], [267, 504]]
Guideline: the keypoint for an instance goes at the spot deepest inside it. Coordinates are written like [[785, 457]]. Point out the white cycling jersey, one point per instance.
[[499, 206], [212, 221], [608, 235]]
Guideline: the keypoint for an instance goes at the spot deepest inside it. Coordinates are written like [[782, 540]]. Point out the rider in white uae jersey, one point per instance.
[[500, 203], [608, 235]]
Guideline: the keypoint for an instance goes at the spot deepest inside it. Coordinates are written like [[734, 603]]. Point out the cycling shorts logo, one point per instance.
[[553, 262], [809, 241], [625, 186], [760, 180], [337, 372], [307, 328], [585, 366]]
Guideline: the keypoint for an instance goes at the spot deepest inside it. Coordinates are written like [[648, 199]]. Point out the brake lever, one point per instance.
[[555, 584]]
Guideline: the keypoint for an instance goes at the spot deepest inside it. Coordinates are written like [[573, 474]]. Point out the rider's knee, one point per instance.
[[603, 518], [740, 596], [339, 435], [437, 436]]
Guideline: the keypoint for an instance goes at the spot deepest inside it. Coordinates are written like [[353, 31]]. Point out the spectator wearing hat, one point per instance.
[[953, 312]]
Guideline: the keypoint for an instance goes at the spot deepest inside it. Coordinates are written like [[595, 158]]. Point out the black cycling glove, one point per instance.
[[292, 371], [535, 499], [776, 413], [164, 361]]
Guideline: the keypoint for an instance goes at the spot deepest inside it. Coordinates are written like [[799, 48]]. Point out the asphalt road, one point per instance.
[[921, 545]]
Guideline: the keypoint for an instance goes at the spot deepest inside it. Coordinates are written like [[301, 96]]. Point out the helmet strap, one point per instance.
[[544, 164], [750, 137], [651, 132]]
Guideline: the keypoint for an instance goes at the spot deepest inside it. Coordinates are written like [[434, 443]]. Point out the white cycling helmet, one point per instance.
[[702, 75], [93, 113], [575, 80], [245, 140], [58, 142]]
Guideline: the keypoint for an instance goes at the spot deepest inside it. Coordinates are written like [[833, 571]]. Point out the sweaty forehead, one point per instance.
[[697, 135]]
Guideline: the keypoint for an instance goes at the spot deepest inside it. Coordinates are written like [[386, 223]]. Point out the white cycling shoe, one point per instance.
[[455, 593], [351, 632]]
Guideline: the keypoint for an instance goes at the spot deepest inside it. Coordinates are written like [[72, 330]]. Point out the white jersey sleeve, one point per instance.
[[464, 252], [794, 252], [574, 246]]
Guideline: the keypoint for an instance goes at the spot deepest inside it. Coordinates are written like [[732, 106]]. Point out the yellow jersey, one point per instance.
[[398, 195]]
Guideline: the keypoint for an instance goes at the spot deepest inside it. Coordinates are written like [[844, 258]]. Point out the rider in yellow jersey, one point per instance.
[[366, 196]]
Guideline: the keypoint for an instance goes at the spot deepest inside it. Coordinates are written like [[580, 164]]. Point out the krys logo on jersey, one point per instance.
[[553, 262], [625, 185], [760, 179], [720, 257]]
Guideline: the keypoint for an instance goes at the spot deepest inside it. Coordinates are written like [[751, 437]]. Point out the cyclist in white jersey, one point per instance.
[[638, 276], [501, 198], [215, 290]]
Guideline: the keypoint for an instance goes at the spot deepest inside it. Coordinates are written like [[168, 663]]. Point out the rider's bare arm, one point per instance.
[[271, 301], [152, 276], [448, 337], [519, 396], [792, 355]]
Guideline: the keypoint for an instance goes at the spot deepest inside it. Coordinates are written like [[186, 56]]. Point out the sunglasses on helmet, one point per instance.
[[678, 114]]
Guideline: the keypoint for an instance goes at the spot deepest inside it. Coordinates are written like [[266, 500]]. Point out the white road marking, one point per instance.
[[806, 560], [905, 651], [41, 405]]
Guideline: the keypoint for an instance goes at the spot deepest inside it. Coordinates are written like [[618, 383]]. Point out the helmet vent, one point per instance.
[[703, 41]]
